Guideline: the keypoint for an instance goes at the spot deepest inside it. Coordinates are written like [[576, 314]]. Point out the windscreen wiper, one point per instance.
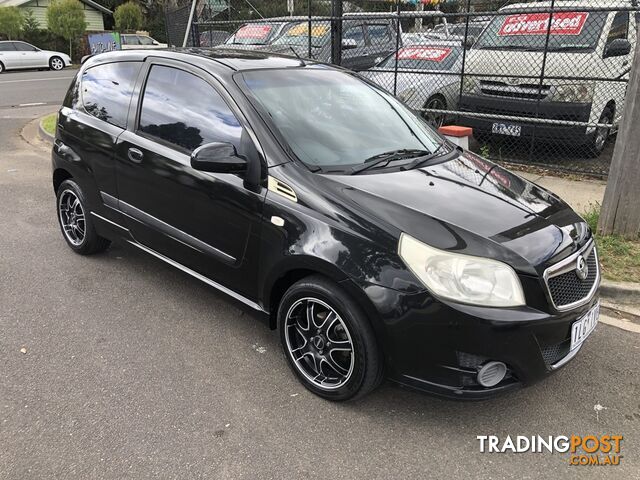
[[437, 153], [388, 157]]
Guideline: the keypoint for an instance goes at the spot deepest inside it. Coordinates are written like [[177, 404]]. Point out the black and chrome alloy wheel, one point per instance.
[[72, 217], [319, 343]]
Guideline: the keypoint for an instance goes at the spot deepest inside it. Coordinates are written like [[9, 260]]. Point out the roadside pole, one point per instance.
[[336, 32], [620, 212]]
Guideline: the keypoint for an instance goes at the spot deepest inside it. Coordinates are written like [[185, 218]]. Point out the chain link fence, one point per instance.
[[540, 83]]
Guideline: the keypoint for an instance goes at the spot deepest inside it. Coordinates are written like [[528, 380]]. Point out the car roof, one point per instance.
[[233, 59]]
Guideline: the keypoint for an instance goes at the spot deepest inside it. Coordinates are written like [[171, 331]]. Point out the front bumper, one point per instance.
[[438, 347], [565, 111]]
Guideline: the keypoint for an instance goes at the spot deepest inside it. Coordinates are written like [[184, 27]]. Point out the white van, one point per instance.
[[505, 65]]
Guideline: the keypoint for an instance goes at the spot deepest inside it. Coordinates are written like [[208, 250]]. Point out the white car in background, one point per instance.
[[428, 77], [135, 41], [16, 55]]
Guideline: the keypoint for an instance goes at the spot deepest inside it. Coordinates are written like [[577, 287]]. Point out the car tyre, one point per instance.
[[328, 341], [1, 67], [75, 222], [436, 102], [56, 63], [596, 144]]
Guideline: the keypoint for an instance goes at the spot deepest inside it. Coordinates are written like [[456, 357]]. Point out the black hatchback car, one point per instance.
[[375, 247]]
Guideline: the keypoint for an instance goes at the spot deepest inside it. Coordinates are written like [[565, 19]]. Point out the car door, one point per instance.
[[207, 222], [30, 56], [9, 56]]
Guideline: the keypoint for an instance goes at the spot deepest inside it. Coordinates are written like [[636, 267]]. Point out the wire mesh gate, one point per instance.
[[540, 83]]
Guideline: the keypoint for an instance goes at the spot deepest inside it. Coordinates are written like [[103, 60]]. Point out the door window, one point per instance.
[[619, 27], [378, 34], [183, 110], [145, 40], [355, 33], [107, 89], [7, 47], [130, 40], [24, 47]]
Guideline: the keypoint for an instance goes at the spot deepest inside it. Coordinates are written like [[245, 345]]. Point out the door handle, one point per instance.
[[135, 155]]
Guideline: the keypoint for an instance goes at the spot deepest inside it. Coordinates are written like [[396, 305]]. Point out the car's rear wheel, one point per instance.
[[1, 67], [328, 341], [75, 221], [56, 63]]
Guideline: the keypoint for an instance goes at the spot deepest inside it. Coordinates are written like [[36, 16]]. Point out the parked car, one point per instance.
[[131, 41], [325, 205], [428, 76], [15, 55], [213, 38], [251, 35], [581, 45], [364, 39]]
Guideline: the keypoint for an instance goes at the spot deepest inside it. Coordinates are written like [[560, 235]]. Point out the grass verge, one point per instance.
[[49, 123], [620, 258]]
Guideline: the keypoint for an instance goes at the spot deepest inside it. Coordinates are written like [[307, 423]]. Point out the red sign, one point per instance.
[[563, 23], [432, 54], [253, 31]]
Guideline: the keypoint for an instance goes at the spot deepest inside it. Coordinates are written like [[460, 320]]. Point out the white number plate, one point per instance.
[[507, 129], [581, 329]]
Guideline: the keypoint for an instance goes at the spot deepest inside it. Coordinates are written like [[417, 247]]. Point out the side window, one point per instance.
[[145, 40], [24, 47], [7, 47], [355, 33], [184, 110], [130, 40], [378, 34], [619, 27], [106, 91]]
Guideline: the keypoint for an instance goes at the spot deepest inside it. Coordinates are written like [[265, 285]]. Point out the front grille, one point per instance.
[[566, 288], [522, 91], [554, 353]]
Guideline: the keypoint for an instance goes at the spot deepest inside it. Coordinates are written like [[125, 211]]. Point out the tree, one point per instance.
[[66, 18], [128, 16], [30, 23], [620, 212], [10, 22]]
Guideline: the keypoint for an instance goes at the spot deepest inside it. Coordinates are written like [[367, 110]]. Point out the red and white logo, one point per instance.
[[563, 23], [253, 31], [432, 54]]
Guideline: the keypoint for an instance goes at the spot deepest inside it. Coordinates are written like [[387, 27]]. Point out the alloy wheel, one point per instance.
[[319, 343], [57, 64], [72, 217], [434, 118]]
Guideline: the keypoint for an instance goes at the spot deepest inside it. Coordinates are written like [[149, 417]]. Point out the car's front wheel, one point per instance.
[[75, 222], [56, 63], [328, 341]]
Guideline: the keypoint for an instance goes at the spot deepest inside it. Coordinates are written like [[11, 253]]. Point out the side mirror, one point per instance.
[[471, 40], [218, 157], [349, 43], [617, 48]]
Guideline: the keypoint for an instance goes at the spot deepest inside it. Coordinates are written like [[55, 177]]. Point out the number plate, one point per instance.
[[581, 329], [507, 129]]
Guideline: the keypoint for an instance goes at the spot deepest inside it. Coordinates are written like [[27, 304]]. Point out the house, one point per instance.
[[93, 12]]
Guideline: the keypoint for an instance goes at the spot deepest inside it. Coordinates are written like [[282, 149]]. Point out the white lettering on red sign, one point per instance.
[[253, 31], [563, 23], [433, 54]]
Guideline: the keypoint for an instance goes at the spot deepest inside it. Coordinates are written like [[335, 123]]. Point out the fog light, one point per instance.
[[491, 374]]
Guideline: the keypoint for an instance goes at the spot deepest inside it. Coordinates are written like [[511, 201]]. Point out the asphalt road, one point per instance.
[[134, 370], [29, 87]]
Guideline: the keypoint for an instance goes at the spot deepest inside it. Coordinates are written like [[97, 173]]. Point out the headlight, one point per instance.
[[469, 84], [407, 95], [462, 278], [578, 92]]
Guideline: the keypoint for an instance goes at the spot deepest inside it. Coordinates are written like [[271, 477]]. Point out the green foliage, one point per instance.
[[66, 18], [30, 23], [11, 22], [128, 16]]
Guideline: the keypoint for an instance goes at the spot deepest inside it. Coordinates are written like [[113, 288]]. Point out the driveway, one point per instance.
[[132, 369]]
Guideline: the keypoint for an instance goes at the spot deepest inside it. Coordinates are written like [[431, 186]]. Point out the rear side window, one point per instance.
[[378, 34], [182, 109], [7, 47], [106, 91], [130, 40]]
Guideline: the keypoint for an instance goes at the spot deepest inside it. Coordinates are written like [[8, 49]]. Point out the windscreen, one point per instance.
[[253, 34], [298, 34], [528, 31], [424, 57], [330, 118]]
